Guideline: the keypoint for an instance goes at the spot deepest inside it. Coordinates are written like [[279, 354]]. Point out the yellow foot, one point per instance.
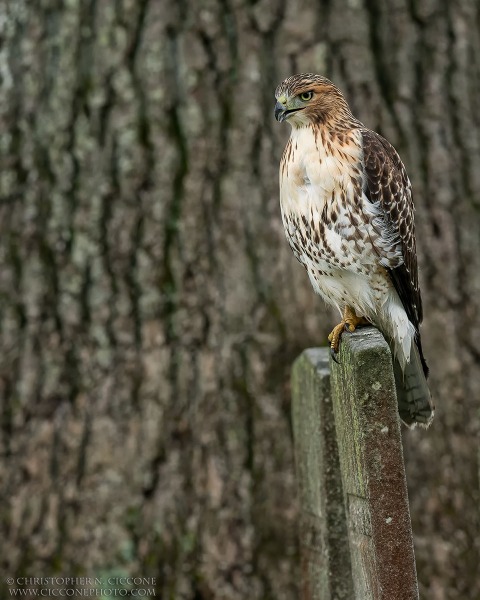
[[349, 323], [335, 335]]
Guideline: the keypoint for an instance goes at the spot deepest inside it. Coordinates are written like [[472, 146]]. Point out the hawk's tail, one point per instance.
[[414, 399]]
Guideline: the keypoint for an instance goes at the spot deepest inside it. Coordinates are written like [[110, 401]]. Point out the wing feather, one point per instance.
[[388, 187]]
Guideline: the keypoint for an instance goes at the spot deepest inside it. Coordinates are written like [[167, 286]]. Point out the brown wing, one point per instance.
[[388, 185]]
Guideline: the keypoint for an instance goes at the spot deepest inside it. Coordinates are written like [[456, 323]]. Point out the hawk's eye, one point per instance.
[[306, 96]]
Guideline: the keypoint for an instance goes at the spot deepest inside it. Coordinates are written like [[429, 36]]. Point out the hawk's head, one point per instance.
[[306, 99]]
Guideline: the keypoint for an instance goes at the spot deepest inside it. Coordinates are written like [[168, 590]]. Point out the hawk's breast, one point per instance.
[[327, 217]]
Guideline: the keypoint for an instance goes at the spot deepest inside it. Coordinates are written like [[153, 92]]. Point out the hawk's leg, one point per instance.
[[349, 323]]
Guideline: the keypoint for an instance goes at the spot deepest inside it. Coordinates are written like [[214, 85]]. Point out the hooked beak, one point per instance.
[[281, 112]]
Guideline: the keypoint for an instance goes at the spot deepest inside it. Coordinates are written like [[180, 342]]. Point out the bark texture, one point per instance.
[[150, 306]]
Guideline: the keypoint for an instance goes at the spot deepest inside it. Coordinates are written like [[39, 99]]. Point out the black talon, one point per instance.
[[334, 355]]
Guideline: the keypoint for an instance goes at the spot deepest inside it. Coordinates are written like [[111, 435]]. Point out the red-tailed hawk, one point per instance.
[[347, 210]]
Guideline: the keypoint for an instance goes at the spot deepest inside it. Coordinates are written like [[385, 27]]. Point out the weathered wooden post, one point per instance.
[[326, 570], [355, 528]]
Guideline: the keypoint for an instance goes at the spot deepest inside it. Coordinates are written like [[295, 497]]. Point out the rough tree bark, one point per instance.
[[150, 306]]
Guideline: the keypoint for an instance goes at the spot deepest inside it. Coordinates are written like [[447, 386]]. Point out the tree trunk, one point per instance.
[[151, 308]]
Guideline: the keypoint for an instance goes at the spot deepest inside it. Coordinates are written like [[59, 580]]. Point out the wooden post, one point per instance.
[[326, 570], [362, 422]]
